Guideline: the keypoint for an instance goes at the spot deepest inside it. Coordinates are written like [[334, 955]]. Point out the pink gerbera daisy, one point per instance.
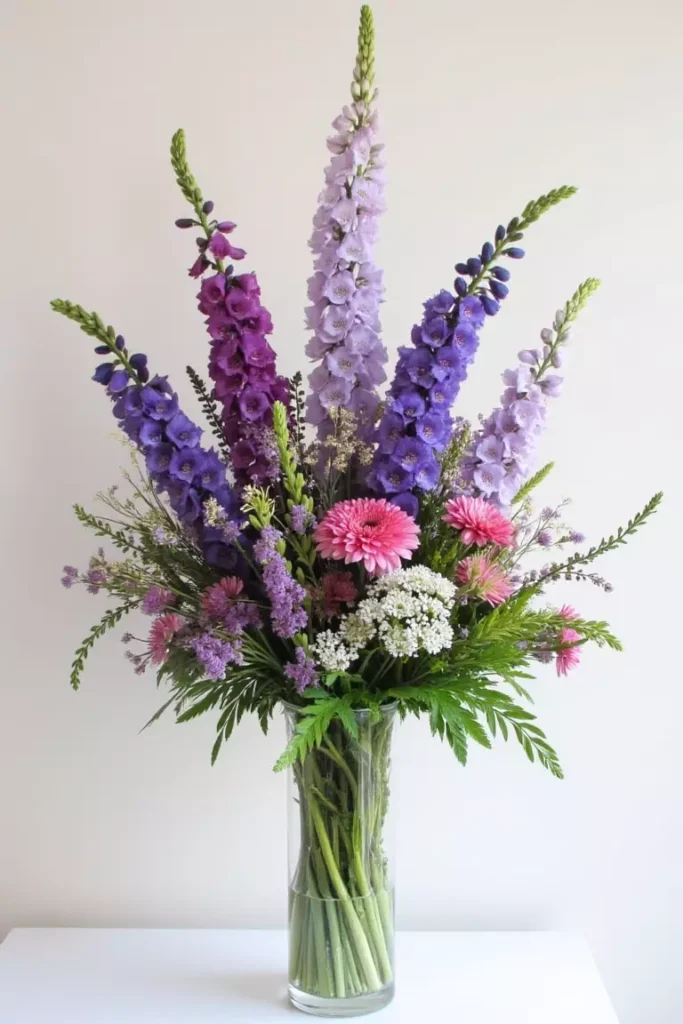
[[484, 578], [479, 522], [160, 635], [367, 530], [568, 657]]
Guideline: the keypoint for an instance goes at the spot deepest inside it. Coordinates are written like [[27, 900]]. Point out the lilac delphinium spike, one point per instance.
[[147, 411], [346, 288], [241, 362], [417, 422], [501, 455]]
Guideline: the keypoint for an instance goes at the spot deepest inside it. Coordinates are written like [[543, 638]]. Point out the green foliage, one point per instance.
[[122, 539], [110, 619], [314, 722], [453, 711], [210, 410], [531, 484], [607, 543]]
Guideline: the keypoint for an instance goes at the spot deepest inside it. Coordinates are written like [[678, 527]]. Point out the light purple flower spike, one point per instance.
[[346, 288]]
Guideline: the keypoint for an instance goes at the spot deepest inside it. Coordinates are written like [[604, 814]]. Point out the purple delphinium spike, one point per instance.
[[242, 367], [501, 455], [147, 411], [346, 288], [241, 362], [429, 375]]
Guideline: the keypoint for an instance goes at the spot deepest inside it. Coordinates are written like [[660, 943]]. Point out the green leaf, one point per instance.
[[107, 622], [157, 714], [210, 410], [312, 726], [606, 544]]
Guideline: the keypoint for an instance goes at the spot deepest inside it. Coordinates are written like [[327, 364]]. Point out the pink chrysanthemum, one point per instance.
[[367, 530], [479, 522], [568, 657], [160, 635], [484, 578], [217, 599]]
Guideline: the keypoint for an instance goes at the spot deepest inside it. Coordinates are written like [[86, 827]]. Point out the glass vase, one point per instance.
[[341, 894]]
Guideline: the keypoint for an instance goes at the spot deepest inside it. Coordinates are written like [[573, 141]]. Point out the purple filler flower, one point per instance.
[[302, 672]]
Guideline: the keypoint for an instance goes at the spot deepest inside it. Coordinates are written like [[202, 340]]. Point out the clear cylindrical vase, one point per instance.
[[341, 893]]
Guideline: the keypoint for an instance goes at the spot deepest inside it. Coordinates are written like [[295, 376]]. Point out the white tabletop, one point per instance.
[[139, 976]]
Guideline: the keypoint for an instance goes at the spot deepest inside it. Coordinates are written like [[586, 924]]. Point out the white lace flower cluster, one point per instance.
[[407, 611]]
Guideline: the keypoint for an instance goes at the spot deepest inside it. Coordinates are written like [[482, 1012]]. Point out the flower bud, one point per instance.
[[500, 233], [498, 289], [546, 334], [120, 342], [207, 208], [490, 305], [460, 285], [527, 356], [556, 359], [461, 268], [501, 273], [486, 252], [103, 373], [185, 222], [514, 253], [102, 350], [473, 266]]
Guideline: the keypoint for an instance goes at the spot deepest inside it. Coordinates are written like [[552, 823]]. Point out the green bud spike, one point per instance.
[[364, 70], [184, 176], [579, 299]]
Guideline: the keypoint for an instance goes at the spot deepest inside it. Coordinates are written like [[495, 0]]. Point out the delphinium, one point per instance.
[[346, 288], [147, 410], [241, 361], [501, 455], [417, 423]]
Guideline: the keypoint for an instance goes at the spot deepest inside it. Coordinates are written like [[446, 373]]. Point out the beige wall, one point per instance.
[[484, 107]]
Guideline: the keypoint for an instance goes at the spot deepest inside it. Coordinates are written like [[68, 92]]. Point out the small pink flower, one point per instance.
[[479, 522], [216, 599], [338, 588], [484, 578], [367, 530], [568, 657], [567, 612], [160, 635]]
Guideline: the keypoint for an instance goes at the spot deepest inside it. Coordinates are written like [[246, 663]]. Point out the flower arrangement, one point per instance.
[[386, 558]]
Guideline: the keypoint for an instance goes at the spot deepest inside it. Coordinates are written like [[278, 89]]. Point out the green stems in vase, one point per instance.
[[341, 892]]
